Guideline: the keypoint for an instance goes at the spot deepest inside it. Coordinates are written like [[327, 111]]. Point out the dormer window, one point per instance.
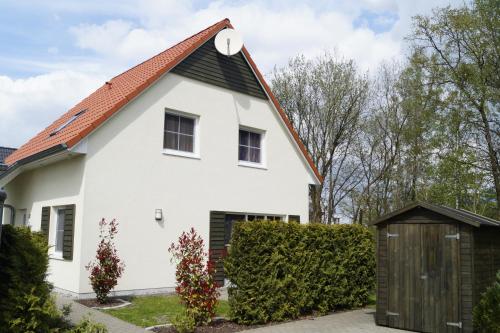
[[68, 122]]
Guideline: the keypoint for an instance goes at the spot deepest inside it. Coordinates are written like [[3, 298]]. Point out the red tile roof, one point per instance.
[[121, 89]]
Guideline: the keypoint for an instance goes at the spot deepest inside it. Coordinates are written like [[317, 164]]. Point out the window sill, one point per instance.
[[181, 154], [57, 256], [252, 165]]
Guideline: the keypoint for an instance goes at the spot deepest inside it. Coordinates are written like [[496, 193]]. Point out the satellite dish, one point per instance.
[[228, 42]]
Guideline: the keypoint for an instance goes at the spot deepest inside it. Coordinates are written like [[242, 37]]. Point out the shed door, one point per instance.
[[423, 277]]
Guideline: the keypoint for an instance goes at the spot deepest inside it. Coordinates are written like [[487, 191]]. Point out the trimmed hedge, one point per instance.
[[281, 271]]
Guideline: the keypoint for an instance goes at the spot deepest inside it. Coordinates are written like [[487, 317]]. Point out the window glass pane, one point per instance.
[[254, 155], [171, 123], [187, 126], [255, 140], [170, 140], [60, 230], [186, 143], [250, 217], [243, 155], [244, 137]]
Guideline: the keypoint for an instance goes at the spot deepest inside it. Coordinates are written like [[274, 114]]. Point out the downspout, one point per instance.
[[3, 196]]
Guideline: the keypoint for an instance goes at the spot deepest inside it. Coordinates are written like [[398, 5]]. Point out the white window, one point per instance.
[[250, 147], [60, 230], [179, 133]]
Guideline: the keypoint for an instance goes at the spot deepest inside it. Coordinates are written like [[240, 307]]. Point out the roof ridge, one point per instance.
[[166, 50]]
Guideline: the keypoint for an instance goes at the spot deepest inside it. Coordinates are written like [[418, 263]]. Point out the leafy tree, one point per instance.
[[462, 48]]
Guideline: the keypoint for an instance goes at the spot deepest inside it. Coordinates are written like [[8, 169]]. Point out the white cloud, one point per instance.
[[29, 105], [273, 31]]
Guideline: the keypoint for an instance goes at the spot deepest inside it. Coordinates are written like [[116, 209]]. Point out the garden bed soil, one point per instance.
[[226, 326], [217, 326], [93, 303]]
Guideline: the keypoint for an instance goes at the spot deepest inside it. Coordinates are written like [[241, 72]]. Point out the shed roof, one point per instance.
[[453, 213]]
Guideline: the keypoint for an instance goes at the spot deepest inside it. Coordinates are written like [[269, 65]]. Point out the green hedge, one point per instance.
[[487, 312], [282, 270]]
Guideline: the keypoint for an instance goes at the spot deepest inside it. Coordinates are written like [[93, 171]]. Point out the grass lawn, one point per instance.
[[372, 301], [156, 310]]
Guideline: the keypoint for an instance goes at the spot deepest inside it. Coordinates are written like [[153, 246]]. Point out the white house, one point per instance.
[[188, 138]]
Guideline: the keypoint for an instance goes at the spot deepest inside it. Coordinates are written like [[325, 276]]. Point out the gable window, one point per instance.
[[61, 213], [250, 147], [180, 134]]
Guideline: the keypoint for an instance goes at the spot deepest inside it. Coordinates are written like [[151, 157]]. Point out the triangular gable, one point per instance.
[[459, 215], [94, 110], [209, 66]]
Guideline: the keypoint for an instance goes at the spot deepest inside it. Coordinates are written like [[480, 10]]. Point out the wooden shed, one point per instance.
[[433, 263]]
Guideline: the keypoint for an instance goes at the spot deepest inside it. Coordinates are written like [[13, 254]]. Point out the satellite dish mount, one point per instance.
[[228, 42]]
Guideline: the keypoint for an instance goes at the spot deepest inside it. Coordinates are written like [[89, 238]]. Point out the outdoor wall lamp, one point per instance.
[[158, 214]]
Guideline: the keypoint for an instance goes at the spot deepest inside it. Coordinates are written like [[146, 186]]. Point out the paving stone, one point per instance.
[[79, 311], [358, 321]]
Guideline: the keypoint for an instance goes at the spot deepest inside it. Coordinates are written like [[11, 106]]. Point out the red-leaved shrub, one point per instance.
[[195, 277], [107, 267]]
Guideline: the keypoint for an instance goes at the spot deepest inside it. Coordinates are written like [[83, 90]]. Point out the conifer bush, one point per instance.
[[487, 312], [280, 271]]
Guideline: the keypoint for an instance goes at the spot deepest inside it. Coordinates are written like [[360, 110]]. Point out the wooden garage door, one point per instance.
[[423, 277]]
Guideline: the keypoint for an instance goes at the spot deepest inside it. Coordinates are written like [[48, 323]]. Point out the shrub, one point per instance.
[[280, 271], [107, 267], [86, 325], [184, 322], [487, 312], [25, 303], [195, 277]]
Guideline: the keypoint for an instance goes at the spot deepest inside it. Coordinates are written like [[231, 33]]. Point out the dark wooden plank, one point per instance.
[[45, 222], [207, 65], [68, 235]]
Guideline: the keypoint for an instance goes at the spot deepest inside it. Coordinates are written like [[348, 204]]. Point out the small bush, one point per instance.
[[487, 312], [25, 302], [280, 271], [86, 325], [184, 322], [195, 277], [107, 267]]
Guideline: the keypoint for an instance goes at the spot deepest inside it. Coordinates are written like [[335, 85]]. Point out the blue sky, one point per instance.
[[56, 52]]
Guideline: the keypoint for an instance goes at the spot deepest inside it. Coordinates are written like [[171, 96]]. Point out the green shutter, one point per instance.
[[69, 226], [45, 222], [217, 247], [294, 218]]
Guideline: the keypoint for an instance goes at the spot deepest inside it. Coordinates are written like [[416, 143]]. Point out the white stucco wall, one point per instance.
[[128, 176], [54, 185]]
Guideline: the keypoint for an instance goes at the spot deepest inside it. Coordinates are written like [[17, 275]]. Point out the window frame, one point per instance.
[[263, 161], [58, 254], [196, 135]]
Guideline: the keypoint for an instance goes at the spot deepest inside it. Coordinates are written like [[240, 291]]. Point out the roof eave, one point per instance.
[[433, 208], [32, 159]]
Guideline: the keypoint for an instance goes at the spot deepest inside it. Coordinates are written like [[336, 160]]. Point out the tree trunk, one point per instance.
[[492, 156], [315, 215]]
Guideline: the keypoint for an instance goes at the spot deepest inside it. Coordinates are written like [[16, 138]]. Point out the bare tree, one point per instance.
[[323, 98]]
